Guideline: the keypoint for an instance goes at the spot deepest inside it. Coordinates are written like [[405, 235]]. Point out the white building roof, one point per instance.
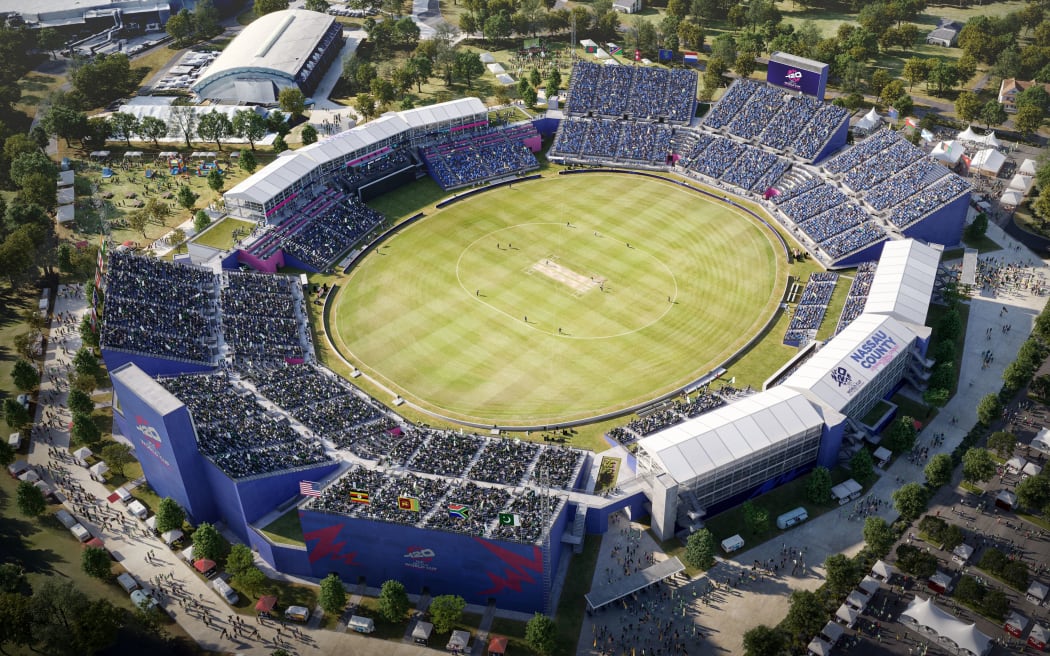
[[279, 43], [149, 390], [839, 371], [447, 111], [903, 281], [732, 432]]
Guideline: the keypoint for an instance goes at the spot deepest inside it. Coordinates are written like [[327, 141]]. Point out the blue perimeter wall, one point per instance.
[[944, 226], [152, 365], [444, 563]]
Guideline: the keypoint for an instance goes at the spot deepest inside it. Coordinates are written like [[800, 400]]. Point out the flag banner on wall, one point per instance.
[[509, 519], [690, 57], [666, 55], [360, 496], [458, 511], [309, 489], [408, 503]]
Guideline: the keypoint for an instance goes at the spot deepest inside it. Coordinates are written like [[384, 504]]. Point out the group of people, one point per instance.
[[812, 306], [857, 297], [685, 407], [484, 156], [904, 184], [639, 91], [159, 308], [832, 221], [779, 119], [237, 433], [264, 318]]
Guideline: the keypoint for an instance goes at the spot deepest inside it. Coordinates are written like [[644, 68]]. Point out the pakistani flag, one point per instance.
[[509, 519]]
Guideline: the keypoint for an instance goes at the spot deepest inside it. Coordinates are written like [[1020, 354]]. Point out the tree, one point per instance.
[[910, 500], [320, 6], [1028, 119], [989, 409], [309, 134], [700, 549], [208, 543], [842, 573], [332, 597], [215, 126], [279, 144], [248, 124], [252, 580], [247, 161], [86, 362], [1003, 443], [239, 559], [170, 515], [15, 414], [180, 27], [15, 620], [977, 465], [95, 562], [7, 456], [201, 221], [993, 113], [186, 197], [65, 122], [176, 238], [117, 455], [468, 66], [818, 487], [763, 640], [25, 375], [755, 517], [39, 189], [915, 70], [943, 75], [878, 535], [292, 101], [206, 19], [30, 499], [263, 7], [446, 611], [137, 221], [183, 123], [861, 467], [806, 614], [124, 125], [393, 601], [216, 180], [540, 634], [85, 431], [152, 128], [66, 622], [1034, 492], [29, 163], [939, 470], [529, 97], [900, 436]]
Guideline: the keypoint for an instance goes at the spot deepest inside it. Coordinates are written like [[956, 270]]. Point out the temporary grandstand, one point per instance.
[[289, 48], [703, 465]]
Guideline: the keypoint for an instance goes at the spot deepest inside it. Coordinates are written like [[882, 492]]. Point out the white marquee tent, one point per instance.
[[988, 161], [1028, 168], [1021, 183], [968, 134], [922, 613], [1011, 199], [869, 121], [948, 152]]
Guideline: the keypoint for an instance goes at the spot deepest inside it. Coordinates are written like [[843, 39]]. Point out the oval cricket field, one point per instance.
[[558, 299]]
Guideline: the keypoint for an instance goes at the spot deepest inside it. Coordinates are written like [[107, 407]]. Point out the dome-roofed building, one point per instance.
[[282, 49]]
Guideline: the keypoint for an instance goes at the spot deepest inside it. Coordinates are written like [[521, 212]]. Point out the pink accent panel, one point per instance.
[[268, 265]]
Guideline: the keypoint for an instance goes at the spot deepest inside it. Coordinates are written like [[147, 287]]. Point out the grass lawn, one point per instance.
[[607, 474], [983, 244], [405, 318], [831, 317], [220, 235], [395, 631], [12, 303], [777, 502], [286, 529], [570, 603]]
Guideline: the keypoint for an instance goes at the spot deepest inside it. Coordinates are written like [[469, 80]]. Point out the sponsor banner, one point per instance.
[[795, 79]]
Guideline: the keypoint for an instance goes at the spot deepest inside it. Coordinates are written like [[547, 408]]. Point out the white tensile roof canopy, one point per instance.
[[870, 120], [925, 613], [700, 445]]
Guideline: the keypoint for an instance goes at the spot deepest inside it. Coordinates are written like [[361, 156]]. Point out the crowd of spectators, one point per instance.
[[635, 91], [853, 239], [319, 229], [873, 170], [927, 200], [905, 184], [686, 407], [535, 512], [754, 115], [504, 461], [484, 504], [819, 198], [717, 157], [558, 467], [482, 156], [752, 168], [636, 141], [161, 309], [859, 153], [446, 454], [237, 433], [264, 319], [731, 104], [646, 142], [857, 297], [788, 192], [656, 421], [828, 217], [839, 218], [373, 169], [811, 308]]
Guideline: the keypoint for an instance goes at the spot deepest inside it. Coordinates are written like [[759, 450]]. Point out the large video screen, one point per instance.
[[797, 79]]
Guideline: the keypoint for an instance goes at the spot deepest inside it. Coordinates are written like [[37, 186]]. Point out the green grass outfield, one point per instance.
[[650, 287]]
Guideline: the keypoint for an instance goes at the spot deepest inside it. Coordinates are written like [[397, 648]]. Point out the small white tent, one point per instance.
[[1021, 183], [988, 162], [968, 135], [869, 121], [1027, 167], [1011, 199], [990, 140], [948, 152]]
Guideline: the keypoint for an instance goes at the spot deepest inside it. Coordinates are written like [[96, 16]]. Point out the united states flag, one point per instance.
[[309, 489]]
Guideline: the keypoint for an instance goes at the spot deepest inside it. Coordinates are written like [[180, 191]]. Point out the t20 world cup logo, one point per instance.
[[793, 78]]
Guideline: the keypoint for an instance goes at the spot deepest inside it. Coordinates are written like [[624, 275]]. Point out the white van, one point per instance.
[[224, 589], [128, 582], [137, 509], [80, 532], [123, 494], [65, 518], [361, 624]]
